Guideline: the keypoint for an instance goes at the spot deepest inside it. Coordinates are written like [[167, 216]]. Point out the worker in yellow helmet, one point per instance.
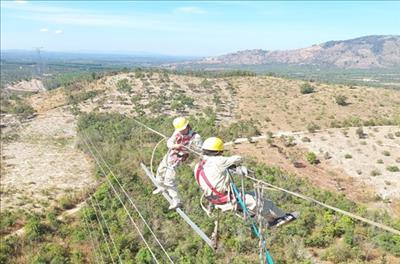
[[183, 137], [212, 176]]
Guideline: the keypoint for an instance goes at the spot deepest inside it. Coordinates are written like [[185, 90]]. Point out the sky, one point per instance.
[[185, 28]]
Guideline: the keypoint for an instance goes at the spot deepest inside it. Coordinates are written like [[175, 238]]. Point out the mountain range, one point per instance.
[[378, 51]]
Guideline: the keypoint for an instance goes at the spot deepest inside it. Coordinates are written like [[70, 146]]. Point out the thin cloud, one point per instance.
[[190, 10], [83, 17], [44, 30], [58, 31], [96, 20]]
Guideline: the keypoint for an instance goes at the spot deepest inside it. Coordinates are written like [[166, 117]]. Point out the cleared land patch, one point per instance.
[[42, 164]]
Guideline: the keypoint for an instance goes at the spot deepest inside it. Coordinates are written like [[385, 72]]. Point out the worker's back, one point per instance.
[[214, 168]]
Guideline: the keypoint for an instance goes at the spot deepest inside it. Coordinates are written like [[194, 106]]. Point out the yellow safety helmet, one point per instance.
[[180, 123], [213, 144]]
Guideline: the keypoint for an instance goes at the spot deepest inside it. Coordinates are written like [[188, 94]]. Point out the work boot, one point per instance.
[[159, 190], [174, 205], [287, 218]]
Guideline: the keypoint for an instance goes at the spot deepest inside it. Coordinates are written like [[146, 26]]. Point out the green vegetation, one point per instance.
[[124, 86], [307, 88], [118, 137], [312, 158], [392, 168], [341, 100], [35, 229], [15, 104], [75, 97], [22, 109], [180, 101], [357, 122], [348, 156], [316, 227]]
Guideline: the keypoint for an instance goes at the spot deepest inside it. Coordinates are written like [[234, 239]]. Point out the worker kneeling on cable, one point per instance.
[[213, 175]]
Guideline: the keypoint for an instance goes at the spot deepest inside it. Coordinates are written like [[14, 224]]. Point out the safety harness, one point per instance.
[[181, 154], [216, 197]]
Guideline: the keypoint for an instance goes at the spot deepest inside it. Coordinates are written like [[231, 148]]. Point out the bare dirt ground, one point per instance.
[[42, 164], [33, 85], [350, 165], [367, 158], [278, 104]]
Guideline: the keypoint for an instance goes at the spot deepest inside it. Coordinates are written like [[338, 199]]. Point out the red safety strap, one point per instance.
[[221, 197]]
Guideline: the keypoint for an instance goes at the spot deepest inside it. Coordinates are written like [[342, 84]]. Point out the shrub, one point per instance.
[[9, 248], [76, 97], [318, 240], [8, 219], [67, 202], [306, 139], [379, 161], [52, 253], [34, 229], [312, 127], [312, 158], [289, 141], [124, 86], [360, 132], [23, 109], [397, 134], [339, 253], [307, 88], [341, 100], [143, 256], [348, 156], [375, 173], [239, 130], [392, 168], [385, 153]]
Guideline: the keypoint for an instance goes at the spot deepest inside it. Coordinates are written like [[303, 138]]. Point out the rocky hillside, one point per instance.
[[364, 52]]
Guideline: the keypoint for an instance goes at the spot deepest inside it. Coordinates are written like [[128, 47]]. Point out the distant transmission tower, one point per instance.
[[40, 65]]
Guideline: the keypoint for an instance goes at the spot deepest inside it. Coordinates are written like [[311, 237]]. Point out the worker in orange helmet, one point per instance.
[[183, 138]]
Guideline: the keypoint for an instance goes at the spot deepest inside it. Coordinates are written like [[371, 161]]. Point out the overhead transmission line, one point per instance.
[[304, 197], [92, 240], [102, 232], [130, 199], [85, 139], [107, 226]]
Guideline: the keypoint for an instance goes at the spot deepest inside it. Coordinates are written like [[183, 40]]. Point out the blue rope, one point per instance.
[[254, 227]]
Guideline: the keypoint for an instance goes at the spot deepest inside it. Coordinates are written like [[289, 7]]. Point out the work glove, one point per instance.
[[176, 146]]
